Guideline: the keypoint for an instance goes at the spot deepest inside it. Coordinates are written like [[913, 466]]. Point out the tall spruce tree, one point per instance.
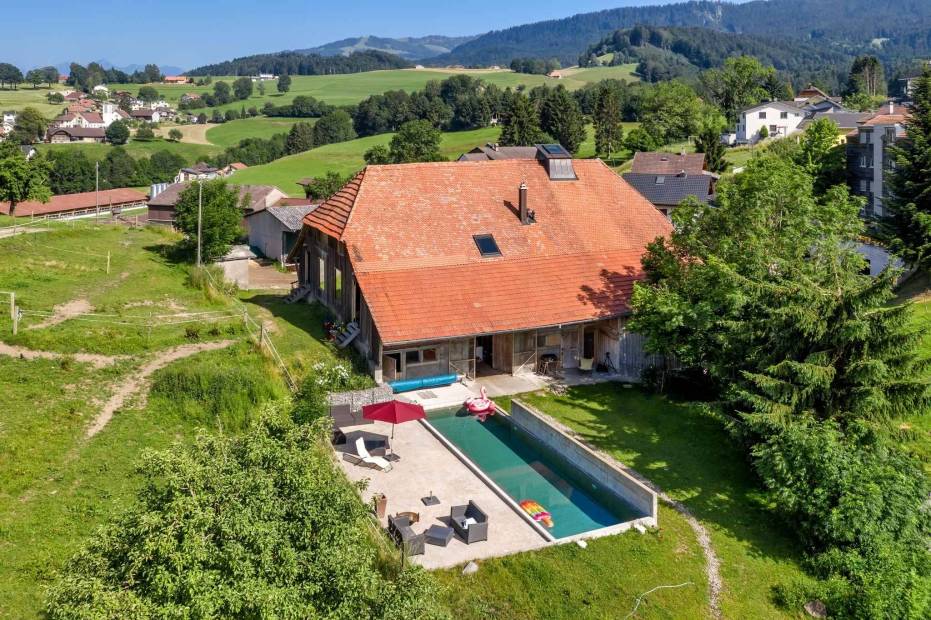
[[607, 119], [908, 221], [561, 117], [709, 143], [521, 123]]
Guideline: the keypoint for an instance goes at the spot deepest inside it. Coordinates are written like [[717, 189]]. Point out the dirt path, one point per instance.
[[97, 361], [193, 134], [134, 383], [63, 312]]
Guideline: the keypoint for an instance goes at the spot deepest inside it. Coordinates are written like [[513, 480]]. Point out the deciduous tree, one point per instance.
[[284, 83], [242, 88], [866, 76], [333, 127], [22, 179], [117, 133], [221, 217], [742, 82]]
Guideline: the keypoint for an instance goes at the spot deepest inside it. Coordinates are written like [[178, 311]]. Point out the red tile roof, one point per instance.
[[92, 117], [76, 202], [668, 163], [409, 233], [332, 215]]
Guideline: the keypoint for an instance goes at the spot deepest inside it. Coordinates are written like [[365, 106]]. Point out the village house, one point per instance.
[[201, 171], [146, 115], [8, 121], [485, 267], [868, 158], [779, 118], [493, 150], [667, 191], [189, 98], [176, 79], [661, 162], [273, 231], [58, 135], [253, 198]]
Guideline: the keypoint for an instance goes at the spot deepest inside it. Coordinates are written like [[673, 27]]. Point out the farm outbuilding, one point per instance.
[[274, 231], [85, 203]]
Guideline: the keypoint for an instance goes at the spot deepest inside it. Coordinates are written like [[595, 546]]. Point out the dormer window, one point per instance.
[[660, 180], [487, 246]]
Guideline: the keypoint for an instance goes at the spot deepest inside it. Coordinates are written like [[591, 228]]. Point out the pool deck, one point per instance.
[[427, 465]]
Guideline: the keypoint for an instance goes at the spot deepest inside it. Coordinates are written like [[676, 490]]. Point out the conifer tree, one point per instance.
[[908, 221], [709, 143], [561, 117], [607, 119], [521, 123]]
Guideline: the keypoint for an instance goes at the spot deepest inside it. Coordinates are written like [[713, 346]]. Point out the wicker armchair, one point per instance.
[[470, 522], [399, 528]]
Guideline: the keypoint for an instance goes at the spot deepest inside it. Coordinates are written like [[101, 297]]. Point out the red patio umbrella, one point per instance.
[[394, 411]]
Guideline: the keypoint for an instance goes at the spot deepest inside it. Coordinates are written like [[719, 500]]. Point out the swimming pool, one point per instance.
[[526, 469]]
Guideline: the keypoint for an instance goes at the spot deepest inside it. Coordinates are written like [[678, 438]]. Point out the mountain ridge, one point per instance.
[[409, 48]]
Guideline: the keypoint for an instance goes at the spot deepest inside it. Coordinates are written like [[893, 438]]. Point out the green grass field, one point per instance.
[[690, 456], [346, 158], [56, 487], [191, 153], [231, 132], [27, 96]]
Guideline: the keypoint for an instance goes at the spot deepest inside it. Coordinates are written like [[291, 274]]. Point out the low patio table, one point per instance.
[[439, 535]]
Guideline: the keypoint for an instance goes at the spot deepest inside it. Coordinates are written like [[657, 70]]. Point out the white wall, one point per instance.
[[750, 123]]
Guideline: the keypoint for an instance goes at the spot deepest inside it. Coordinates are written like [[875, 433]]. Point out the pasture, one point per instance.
[[27, 96], [231, 132]]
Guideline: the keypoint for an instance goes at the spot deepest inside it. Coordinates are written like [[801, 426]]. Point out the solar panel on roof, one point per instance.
[[555, 149]]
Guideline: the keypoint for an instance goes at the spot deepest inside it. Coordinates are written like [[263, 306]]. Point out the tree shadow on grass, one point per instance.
[[682, 449], [172, 253]]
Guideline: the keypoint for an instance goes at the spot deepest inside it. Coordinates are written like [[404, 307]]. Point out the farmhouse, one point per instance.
[[85, 203], [481, 267], [58, 135], [176, 79], [778, 118], [253, 198], [146, 114]]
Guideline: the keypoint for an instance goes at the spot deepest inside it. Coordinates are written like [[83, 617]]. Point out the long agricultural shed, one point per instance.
[[85, 203]]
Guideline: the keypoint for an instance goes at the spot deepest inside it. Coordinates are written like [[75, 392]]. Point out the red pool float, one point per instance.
[[481, 406]]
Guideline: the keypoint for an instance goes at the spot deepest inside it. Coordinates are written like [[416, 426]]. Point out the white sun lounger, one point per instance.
[[362, 457]]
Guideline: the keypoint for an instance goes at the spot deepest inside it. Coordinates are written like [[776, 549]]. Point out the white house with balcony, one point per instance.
[[779, 118]]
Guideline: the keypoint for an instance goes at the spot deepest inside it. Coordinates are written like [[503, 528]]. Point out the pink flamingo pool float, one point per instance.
[[480, 406]]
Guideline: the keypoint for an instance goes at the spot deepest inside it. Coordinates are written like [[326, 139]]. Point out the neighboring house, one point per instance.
[[110, 112], [8, 120], [147, 115], [482, 267], [274, 231], [176, 79], [779, 118], [100, 89], [85, 203], [660, 162], [845, 121], [810, 92], [667, 191], [231, 168], [198, 172], [264, 77], [165, 114], [867, 156], [189, 97], [493, 150], [255, 198], [58, 135]]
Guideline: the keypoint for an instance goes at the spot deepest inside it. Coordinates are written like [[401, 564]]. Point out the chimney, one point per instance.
[[524, 216], [891, 108]]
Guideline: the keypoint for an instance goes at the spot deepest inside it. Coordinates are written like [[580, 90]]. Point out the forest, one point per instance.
[[296, 63]]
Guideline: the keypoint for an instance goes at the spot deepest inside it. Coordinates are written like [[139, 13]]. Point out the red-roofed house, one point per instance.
[[481, 266]]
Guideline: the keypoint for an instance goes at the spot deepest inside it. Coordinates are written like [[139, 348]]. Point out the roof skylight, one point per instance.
[[487, 245]]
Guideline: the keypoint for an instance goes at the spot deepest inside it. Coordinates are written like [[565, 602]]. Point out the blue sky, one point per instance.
[[187, 33]]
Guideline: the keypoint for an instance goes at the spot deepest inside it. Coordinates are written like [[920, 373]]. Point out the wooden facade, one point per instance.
[[324, 265]]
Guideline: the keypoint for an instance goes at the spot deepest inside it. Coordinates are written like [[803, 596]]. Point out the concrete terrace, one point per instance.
[[426, 465]]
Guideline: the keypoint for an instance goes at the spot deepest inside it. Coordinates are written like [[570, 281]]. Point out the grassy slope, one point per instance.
[[917, 429], [192, 153], [27, 96], [230, 133], [345, 158], [601, 581], [688, 455], [56, 487]]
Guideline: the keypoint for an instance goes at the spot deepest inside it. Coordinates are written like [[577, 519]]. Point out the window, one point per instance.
[[551, 339], [773, 130], [339, 285], [783, 115], [486, 245], [321, 270], [762, 115], [412, 357], [428, 355], [660, 180], [864, 137]]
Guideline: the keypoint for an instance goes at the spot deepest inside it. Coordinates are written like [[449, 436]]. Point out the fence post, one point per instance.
[[108, 262], [261, 336], [13, 305], [16, 321]]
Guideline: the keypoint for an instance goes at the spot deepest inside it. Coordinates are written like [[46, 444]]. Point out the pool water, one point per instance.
[[527, 470]]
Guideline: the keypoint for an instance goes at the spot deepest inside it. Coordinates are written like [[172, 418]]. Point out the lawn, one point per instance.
[[231, 132], [56, 486], [192, 153], [346, 158], [689, 455], [27, 96]]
